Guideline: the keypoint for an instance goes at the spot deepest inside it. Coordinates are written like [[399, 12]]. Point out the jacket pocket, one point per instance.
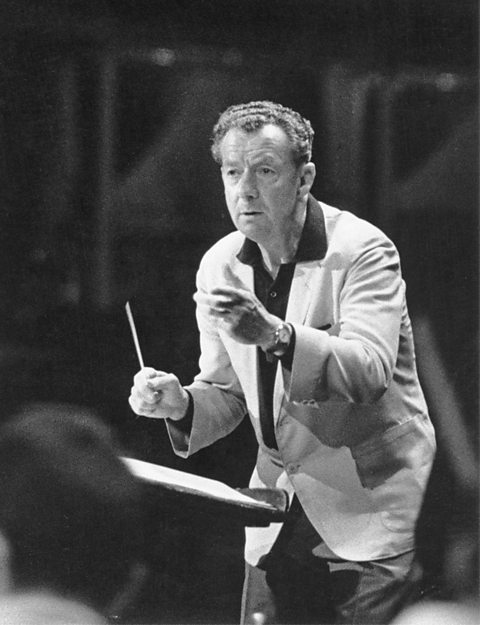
[[394, 468]]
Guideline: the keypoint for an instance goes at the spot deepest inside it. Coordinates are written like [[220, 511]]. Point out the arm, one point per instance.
[[357, 365], [196, 415], [209, 408], [217, 398]]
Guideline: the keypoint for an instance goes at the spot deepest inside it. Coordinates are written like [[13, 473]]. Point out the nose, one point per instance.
[[248, 185]]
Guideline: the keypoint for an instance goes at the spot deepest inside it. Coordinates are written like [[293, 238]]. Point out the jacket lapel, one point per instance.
[[245, 273], [300, 298], [312, 249], [246, 355]]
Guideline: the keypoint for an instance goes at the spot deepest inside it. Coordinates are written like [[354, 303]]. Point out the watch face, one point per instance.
[[282, 338], [283, 335]]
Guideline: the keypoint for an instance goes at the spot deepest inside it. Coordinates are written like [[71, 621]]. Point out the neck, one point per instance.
[[274, 258], [283, 247]]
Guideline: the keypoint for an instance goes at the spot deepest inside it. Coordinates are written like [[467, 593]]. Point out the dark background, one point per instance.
[[108, 193]]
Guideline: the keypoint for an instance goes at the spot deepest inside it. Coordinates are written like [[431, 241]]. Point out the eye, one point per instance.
[[231, 173], [265, 171]]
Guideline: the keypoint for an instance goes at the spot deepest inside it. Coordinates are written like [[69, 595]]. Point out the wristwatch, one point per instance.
[[281, 340]]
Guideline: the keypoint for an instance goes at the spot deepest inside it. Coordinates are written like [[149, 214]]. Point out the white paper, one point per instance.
[[159, 474]]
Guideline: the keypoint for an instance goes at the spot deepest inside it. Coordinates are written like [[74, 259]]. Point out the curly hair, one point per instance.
[[254, 115]]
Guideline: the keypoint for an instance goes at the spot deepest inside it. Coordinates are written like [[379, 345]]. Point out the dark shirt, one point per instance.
[[274, 294]]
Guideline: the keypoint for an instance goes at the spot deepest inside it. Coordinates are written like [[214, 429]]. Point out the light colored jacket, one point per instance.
[[355, 442]]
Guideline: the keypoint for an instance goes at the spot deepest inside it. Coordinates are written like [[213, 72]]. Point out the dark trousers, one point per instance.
[[292, 586], [349, 593]]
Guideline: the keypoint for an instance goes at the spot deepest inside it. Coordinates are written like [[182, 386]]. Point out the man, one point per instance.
[[70, 545], [304, 326]]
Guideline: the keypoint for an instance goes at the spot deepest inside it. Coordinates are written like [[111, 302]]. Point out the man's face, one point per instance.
[[261, 182]]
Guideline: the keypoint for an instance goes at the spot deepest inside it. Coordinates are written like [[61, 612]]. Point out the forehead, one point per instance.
[[270, 141]]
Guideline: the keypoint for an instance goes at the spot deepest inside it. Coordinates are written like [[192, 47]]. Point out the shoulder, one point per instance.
[[351, 235], [211, 270], [224, 250]]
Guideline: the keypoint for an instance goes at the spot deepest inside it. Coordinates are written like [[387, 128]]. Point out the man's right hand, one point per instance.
[[158, 395]]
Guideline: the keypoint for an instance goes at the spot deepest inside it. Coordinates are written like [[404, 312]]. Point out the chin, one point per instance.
[[255, 234]]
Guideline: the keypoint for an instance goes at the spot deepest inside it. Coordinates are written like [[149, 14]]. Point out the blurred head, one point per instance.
[[69, 509], [264, 150]]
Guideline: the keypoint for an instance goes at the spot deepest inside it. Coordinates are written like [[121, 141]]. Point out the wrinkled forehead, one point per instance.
[[267, 141]]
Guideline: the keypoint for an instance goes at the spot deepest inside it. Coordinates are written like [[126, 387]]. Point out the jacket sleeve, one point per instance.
[[355, 362], [218, 400]]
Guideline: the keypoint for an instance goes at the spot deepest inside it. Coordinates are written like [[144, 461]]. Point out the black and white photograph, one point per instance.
[[239, 312]]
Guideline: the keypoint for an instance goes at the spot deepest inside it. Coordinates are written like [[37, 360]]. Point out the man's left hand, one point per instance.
[[240, 313]]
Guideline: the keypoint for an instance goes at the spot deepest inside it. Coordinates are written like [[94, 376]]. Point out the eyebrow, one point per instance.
[[261, 159]]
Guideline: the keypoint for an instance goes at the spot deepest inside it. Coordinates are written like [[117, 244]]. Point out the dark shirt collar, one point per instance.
[[312, 244]]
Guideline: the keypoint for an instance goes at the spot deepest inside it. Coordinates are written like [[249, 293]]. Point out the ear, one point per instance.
[[306, 176]]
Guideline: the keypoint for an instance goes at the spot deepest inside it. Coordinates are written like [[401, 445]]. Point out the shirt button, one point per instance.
[[273, 294], [292, 467]]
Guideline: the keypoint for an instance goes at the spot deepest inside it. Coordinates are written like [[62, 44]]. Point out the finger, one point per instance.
[[229, 299], [161, 382], [145, 385], [144, 395], [204, 299], [153, 380], [149, 372], [141, 377], [144, 410], [138, 405], [222, 304], [229, 293], [219, 296]]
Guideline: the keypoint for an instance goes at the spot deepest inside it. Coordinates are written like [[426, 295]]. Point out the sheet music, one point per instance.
[[159, 474]]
